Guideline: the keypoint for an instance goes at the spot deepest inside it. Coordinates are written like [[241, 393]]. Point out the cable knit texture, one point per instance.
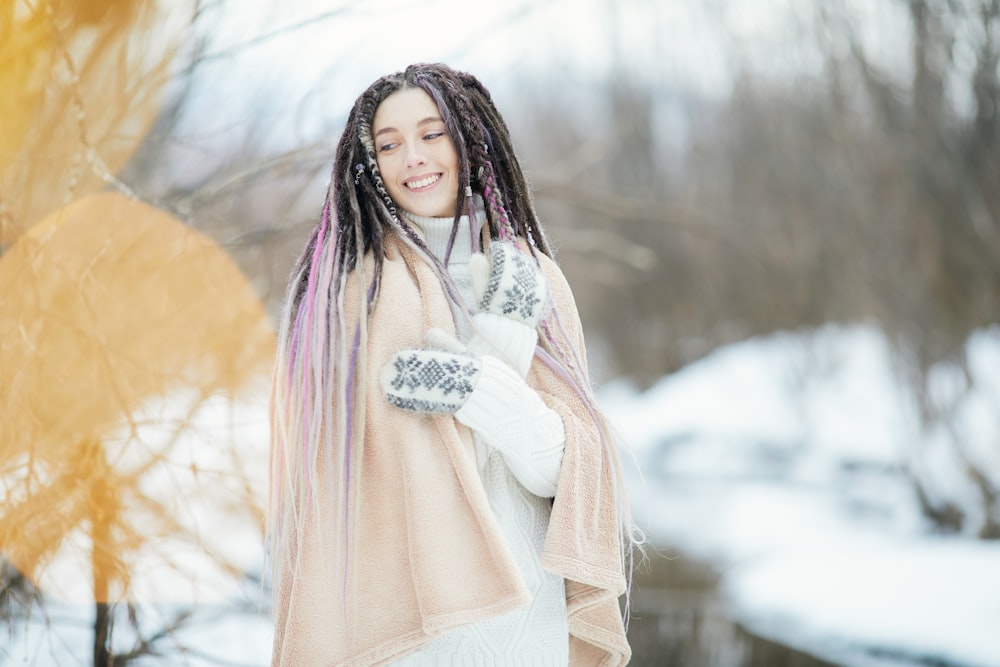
[[518, 442], [510, 416], [504, 338], [427, 552]]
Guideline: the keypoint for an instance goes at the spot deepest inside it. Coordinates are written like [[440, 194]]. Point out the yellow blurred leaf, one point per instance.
[[80, 84], [108, 303]]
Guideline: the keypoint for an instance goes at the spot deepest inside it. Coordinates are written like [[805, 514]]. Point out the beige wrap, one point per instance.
[[426, 552]]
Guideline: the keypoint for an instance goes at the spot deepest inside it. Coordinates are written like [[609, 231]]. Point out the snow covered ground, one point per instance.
[[782, 460], [203, 501]]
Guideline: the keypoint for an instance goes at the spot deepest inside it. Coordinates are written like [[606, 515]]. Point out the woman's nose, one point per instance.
[[414, 155]]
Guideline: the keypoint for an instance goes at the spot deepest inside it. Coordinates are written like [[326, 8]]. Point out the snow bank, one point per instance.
[[783, 460]]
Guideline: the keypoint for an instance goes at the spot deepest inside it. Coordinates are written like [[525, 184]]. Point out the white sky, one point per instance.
[[335, 58], [696, 39], [689, 50]]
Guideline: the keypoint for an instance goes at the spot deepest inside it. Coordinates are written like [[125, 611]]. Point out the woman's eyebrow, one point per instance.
[[420, 123]]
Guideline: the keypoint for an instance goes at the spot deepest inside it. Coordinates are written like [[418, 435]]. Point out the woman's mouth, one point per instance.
[[423, 182]]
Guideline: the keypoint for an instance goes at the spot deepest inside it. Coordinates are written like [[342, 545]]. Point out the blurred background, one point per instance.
[[781, 221]]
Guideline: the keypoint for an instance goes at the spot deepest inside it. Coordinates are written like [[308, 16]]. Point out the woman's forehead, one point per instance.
[[405, 109]]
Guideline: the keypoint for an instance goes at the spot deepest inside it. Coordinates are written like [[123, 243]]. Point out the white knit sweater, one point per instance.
[[536, 635]]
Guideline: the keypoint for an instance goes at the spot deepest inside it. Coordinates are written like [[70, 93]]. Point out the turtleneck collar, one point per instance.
[[436, 231]]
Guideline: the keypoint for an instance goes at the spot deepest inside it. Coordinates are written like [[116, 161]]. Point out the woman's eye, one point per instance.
[[433, 135], [386, 147]]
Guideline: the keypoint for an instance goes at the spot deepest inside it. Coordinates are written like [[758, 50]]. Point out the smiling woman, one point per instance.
[[416, 155], [444, 488]]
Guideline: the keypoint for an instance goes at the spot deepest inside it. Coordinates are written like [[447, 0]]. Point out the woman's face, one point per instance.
[[415, 154]]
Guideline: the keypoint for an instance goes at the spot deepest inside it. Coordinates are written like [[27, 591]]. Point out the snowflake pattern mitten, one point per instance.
[[514, 285], [435, 381]]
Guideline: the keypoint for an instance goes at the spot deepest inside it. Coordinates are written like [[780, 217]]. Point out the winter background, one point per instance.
[[779, 461], [808, 387]]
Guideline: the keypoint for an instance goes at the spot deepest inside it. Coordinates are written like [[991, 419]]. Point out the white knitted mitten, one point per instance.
[[512, 293], [430, 380], [487, 396], [512, 418], [515, 287]]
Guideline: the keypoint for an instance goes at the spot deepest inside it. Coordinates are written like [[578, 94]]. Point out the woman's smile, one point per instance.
[[422, 183]]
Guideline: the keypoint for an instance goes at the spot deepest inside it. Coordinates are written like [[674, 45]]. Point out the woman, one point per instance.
[[444, 490]]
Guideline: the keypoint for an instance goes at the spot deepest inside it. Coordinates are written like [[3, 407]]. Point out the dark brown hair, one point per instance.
[[359, 212]]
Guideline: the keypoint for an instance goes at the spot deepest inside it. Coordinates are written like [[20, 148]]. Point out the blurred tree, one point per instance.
[[860, 187], [936, 274]]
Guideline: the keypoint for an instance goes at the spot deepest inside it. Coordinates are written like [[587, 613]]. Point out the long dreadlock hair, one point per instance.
[[319, 370]]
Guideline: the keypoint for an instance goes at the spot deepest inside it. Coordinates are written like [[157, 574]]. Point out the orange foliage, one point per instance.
[[80, 84], [108, 302], [110, 306]]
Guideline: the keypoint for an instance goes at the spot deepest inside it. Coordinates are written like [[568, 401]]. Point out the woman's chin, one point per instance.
[[433, 210]]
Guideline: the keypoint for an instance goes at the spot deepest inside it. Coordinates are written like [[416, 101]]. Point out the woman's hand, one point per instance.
[[509, 284], [486, 395], [423, 380], [512, 295]]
